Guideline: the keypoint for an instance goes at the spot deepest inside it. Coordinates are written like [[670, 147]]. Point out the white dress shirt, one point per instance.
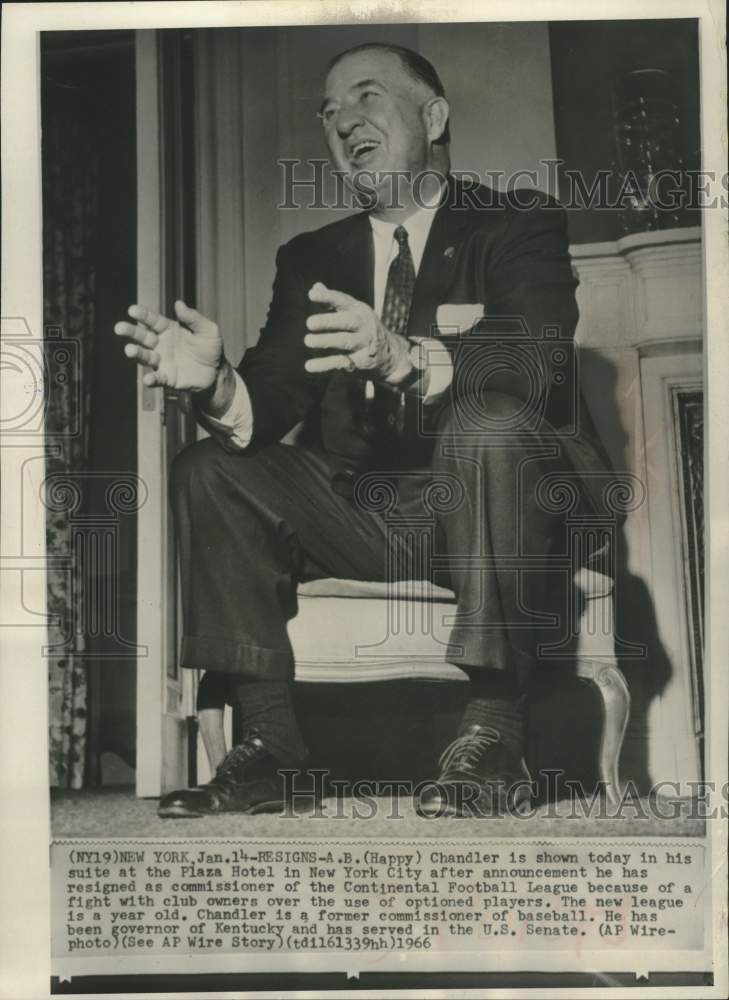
[[236, 424]]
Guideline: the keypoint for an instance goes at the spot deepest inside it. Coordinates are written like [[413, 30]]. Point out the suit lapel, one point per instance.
[[354, 265], [437, 267]]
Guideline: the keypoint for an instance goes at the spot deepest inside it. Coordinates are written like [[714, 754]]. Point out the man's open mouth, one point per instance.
[[361, 150]]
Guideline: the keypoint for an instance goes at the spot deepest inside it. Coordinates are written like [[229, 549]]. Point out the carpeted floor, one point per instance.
[[118, 813]]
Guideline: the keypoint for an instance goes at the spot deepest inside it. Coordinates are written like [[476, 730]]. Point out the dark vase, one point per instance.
[[650, 171]]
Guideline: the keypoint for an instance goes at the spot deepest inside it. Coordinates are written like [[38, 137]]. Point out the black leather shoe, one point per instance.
[[479, 778], [247, 781]]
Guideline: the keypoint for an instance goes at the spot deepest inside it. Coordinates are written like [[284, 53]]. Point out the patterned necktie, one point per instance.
[[400, 285], [379, 411], [384, 407]]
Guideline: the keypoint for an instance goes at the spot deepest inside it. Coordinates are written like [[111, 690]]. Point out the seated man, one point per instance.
[[352, 351]]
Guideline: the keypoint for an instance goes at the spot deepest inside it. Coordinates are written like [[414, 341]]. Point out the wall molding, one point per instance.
[[661, 377]]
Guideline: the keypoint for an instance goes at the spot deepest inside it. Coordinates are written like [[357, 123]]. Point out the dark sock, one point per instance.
[[214, 690], [495, 700], [268, 707]]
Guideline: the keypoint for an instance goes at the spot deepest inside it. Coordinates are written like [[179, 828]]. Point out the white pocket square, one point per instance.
[[457, 319]]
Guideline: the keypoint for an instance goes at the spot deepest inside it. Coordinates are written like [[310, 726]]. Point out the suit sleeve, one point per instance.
[[529, 294], [280, 390]]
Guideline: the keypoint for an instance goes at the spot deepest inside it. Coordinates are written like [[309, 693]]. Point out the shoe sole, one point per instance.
[[448, 811], [180, 812], [172, 812]]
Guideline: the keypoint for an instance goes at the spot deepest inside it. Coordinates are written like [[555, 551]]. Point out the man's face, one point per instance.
[[373, 116]]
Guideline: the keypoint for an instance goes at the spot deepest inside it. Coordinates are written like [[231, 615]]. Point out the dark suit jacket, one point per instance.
[[482, 248]]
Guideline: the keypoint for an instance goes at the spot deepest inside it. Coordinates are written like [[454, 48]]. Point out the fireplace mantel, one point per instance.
[[641, 342], [645, 287]]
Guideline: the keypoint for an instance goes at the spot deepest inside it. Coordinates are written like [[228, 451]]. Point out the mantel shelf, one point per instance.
[[637, 241]]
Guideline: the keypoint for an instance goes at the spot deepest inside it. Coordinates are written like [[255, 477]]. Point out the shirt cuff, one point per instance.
[[236, 424], [436, 360]]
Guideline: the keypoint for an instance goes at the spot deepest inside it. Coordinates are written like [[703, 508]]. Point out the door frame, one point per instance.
[[165, 692]]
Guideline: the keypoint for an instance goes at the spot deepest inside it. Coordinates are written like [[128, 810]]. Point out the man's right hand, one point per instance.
[[186, 353]]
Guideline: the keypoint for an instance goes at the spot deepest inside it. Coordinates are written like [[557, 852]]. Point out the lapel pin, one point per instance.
[[449, 252]]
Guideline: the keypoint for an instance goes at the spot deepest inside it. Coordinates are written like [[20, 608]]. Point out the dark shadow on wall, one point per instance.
[[635, 617]]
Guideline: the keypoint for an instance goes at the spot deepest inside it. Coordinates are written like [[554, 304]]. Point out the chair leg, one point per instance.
[[607, 676], [213, 735]]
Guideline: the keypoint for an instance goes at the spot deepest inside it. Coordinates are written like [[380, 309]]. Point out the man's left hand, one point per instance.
[[354, 329]]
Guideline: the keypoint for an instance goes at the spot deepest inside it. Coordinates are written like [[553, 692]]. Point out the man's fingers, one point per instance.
[[154, 320], [153, 379], [140, 334], [141, 355], [333, 341], [342, 320], [329, 297], [333, 363], [186, 314]]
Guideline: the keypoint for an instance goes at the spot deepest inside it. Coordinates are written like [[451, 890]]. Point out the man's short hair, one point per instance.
[[417, 66]]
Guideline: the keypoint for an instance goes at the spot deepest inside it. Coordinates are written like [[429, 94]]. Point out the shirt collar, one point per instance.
[[417, 225]]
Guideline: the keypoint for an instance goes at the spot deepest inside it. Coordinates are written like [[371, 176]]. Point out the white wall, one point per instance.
[[499, 83]]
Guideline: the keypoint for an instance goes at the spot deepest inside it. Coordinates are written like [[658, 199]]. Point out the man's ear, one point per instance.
[[436, 113]]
